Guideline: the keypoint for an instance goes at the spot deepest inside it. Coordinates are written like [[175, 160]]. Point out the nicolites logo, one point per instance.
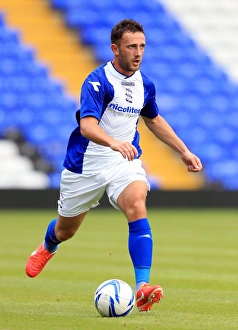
[[128, 109]]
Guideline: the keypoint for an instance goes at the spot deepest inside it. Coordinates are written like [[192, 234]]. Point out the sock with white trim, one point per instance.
[[140, 246]]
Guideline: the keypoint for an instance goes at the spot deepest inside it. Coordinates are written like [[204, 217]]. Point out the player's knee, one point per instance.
[[136, 209]]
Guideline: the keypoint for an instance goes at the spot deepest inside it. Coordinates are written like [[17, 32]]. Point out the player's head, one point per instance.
[[126, 25], [128, 42]]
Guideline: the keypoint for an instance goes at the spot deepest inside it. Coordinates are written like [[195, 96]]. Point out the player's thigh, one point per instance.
[[132, 200], [131, 185]]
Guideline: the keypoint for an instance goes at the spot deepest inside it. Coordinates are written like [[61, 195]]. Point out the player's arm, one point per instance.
[[91, 130], [164, 132]]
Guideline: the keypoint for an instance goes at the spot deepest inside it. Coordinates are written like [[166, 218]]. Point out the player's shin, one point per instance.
[[140, 246], [51, 242]]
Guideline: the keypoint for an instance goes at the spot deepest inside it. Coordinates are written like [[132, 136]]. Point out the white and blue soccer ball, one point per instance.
[[114, 298]]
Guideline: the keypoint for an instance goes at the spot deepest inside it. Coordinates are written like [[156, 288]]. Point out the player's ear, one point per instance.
[[114, 49]]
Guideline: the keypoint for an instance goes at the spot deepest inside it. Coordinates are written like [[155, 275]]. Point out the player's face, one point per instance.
[[128, 55]]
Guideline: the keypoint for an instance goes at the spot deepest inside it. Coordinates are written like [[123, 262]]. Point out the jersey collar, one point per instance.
[[117, 73]]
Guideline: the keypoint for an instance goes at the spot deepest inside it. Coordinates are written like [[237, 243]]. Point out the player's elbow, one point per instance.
[[83, 130], [87, 126]]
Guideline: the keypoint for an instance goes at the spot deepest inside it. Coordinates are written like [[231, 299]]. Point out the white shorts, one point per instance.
[[79, 192]]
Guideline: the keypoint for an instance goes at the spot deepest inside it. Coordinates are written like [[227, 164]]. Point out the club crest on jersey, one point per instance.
[[128, 95]]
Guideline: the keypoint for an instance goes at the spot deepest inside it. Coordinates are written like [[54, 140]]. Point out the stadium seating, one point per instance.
[[194, 93], [18, 171], [35, 103]]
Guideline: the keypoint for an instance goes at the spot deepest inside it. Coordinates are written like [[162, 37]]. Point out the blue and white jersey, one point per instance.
[[116, 101]]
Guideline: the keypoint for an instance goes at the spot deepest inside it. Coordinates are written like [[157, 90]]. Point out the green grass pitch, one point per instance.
[[195, 261]]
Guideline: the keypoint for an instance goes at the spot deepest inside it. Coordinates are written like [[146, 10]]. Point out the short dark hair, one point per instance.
[[126, 25]]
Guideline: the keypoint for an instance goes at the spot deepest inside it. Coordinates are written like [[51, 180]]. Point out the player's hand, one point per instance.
[[125, 148], [192, 161]]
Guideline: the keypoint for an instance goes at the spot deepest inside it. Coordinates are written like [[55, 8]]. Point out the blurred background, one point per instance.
[[48, 47]]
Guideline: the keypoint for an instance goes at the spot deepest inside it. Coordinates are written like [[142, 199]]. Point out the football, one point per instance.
[[114, 298]]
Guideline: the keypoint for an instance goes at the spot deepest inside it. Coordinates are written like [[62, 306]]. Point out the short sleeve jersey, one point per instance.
[[116, 101]]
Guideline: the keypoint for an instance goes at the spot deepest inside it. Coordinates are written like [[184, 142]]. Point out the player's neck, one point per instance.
[[121, 71]]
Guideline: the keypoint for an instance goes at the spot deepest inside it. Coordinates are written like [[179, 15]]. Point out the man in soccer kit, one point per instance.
[[103, 156]]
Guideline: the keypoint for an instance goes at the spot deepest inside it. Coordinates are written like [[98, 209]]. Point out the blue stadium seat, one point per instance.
[[231, 183], [8, 35], [210, 152], [82, 18], [223, 171], [55, 179], [96, 35], [103, 53]]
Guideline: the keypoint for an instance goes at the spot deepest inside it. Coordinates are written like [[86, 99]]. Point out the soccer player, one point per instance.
[[103, 155]]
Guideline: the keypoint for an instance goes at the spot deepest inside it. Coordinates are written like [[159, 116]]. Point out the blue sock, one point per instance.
[[51, 242], [140, 246]]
